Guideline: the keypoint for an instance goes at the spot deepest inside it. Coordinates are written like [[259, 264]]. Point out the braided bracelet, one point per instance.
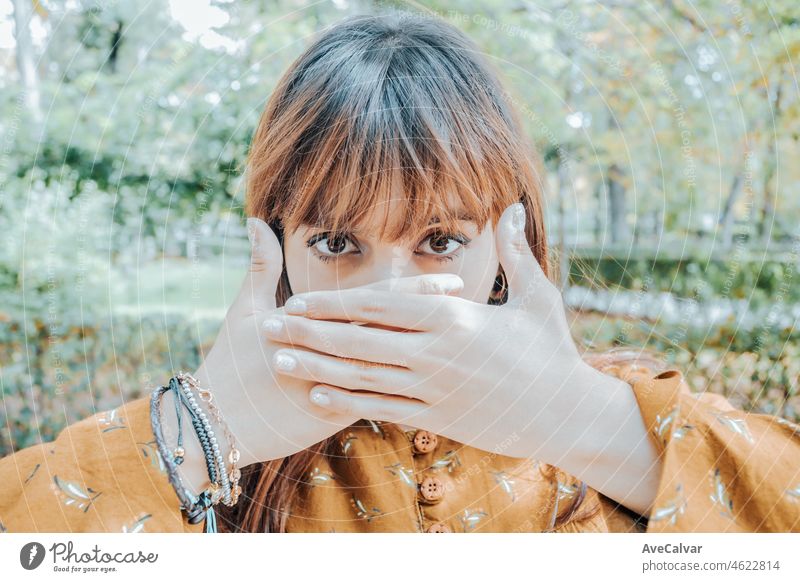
[[233, 455], [217, 473], [194, 508]]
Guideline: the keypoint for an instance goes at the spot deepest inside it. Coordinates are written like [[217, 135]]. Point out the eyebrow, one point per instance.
[[461, 216]]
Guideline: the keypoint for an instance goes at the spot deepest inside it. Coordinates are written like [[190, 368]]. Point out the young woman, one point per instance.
[[390, 185]]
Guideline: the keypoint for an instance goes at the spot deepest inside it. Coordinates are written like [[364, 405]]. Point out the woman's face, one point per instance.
[[317, 259]]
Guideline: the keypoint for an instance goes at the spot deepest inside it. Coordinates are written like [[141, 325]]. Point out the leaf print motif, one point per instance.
[[36, 468], [471, 518], [317, 477], [150, 451], [737, 425], [794, 494], [362, 511], [110, 420], [347, 444], [376, 427], [137, 525], [681, 432], [406, 475], [672, 509], [565, 490], [73, 494], [720, 495], [662, 424], [449, 461], [506, 483]]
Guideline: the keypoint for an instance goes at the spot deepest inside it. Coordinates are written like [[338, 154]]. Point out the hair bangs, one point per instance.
[[422, 160]]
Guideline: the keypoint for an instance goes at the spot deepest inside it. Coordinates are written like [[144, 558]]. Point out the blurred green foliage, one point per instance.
[[666, 133]]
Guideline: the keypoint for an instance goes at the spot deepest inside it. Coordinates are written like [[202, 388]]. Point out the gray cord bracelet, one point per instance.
[[195, 509]]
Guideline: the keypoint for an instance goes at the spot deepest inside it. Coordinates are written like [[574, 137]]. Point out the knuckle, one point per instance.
[[462, 325], [308, 366], [295, 331], [347, 405], [370, 304], [316, 306], [366, 379]]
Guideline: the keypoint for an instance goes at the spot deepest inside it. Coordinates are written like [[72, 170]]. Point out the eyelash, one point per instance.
[[460, 238]]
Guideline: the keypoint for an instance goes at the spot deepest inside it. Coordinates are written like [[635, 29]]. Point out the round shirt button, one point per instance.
[[431, 489], [425, 442], [439, 528]]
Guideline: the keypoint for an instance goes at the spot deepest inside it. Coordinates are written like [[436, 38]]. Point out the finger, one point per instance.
[[430, 284], [385, 308], [343, 339], [525, 276], [257, 293], [347, 373], [363, 405]]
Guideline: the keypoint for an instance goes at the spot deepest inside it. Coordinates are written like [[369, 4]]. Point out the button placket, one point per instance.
[[425, 442], [431, 489], [439, 527]]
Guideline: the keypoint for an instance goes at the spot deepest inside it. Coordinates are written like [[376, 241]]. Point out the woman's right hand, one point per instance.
[[269, 414]]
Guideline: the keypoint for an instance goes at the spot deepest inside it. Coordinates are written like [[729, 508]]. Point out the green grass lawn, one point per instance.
[[199, 289]]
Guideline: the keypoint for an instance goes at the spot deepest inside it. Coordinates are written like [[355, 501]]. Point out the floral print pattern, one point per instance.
[[720, 495], [672, 509], [137, 526], [361, 510], [108, 472], [74, 494], [471, 518]]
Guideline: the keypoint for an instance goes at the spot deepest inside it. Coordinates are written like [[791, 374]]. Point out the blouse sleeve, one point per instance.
[[101, 474], [723, 469]]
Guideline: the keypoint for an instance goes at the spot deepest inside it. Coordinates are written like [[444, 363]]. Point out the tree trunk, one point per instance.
[[771, 164], [726, 218], [25, 58], [616, 204]]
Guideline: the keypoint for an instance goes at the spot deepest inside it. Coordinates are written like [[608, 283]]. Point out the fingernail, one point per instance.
[[272, 325], [454, 283], [320, 397], [295, 306], [518, 216], [285, 362]]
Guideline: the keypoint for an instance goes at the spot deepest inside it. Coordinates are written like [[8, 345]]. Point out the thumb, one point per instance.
[[258, 289], [523, 273]]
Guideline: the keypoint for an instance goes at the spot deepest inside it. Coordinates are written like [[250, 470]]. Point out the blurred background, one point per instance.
[[669, 132]]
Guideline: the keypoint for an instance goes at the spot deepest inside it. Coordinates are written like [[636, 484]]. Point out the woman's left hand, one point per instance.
[[507, 379]]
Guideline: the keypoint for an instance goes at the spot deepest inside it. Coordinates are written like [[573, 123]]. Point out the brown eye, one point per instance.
[[337, 244], [439, 244], [328, 245]]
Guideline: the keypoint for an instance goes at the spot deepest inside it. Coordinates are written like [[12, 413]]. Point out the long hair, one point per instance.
[[377, 107]]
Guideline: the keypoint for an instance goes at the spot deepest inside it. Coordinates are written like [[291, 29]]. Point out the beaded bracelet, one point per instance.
[[195, 508], [206, 396], [221, 488], [217, 473]]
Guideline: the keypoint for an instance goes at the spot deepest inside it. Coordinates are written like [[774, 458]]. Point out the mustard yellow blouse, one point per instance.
[[724, 470]]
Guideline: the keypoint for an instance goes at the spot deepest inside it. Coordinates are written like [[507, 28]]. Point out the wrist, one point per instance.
[[605, 442], [231, 413]]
